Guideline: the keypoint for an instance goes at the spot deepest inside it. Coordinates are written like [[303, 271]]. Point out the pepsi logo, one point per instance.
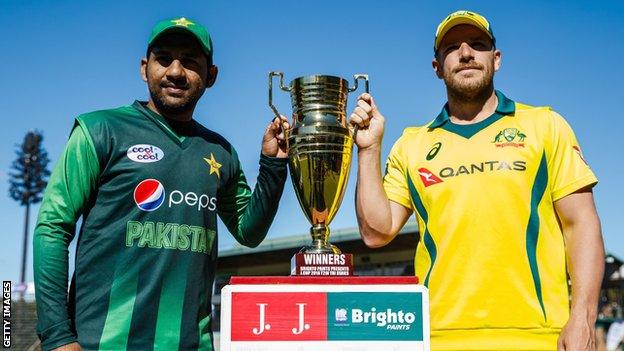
[[149, 195], [145, 153]]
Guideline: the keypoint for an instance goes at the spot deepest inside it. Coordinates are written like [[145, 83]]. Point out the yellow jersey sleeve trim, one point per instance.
[[564, 191], [401, 200], [395, 177]]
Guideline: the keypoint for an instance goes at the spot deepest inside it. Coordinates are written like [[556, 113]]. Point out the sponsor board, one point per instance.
[[324, 317]]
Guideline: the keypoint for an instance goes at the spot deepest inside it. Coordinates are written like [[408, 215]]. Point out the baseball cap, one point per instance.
[[184, 25], [462, 17]]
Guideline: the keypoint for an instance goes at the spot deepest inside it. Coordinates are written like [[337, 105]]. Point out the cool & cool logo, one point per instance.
[[145, 153]]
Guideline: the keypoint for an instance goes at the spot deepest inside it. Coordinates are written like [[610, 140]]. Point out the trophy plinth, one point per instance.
[[320, 146]]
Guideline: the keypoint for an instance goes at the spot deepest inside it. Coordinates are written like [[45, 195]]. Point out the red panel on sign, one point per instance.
[[279, 316]]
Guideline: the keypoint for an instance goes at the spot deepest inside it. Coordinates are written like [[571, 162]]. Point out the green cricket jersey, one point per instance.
[[149, 191]]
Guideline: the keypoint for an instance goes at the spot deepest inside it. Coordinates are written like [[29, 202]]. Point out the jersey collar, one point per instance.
[[505, 106], [177, 131]]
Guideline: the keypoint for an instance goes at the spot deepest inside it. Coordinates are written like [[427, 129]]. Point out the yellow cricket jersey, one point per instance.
[[491, 249]]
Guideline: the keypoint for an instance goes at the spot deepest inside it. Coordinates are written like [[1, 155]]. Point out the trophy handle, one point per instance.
[[282, 86], [357, 77]]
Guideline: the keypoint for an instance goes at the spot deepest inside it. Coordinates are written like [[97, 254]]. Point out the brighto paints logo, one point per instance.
[[341, 315], [149, 195], [387, 319]]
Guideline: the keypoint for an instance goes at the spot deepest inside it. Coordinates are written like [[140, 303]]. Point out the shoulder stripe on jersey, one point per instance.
[[422, 212], [532, 232]]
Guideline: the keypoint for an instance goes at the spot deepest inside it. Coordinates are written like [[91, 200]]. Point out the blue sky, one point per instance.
[[63, 58]]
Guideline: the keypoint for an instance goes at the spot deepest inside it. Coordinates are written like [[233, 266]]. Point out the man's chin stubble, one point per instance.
[[172, 108], [468, 91]]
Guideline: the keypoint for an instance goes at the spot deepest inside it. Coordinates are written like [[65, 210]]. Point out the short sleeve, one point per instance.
[[568, 170], [395, 178]]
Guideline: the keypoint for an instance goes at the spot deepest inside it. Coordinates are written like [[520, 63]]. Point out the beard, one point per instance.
[[169, 105], [467, 89]]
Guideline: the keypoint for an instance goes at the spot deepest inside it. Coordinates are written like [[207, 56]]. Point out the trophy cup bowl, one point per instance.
[[320, 146]]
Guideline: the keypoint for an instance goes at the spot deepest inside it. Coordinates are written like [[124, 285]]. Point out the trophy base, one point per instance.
[[321, 264]]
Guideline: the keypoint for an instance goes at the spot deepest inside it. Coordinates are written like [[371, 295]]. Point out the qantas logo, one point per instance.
[[483, 167], [427, 177]]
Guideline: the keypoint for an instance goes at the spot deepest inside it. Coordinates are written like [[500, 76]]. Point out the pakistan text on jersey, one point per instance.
[[159, 235], [487, 166]]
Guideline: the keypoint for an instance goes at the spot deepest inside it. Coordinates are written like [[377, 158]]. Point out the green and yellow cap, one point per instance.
[[462, 17], [184, 25]]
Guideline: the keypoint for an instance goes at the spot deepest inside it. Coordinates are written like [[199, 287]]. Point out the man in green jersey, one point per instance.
[[149, 182]]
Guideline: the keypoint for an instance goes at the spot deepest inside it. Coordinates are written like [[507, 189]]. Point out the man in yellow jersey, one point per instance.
[[503, 199]]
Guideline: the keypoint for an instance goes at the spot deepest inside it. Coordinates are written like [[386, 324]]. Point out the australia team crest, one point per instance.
[[509, 137]]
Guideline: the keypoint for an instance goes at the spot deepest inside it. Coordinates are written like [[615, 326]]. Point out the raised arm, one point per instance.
[[248, 215], [379, 218]]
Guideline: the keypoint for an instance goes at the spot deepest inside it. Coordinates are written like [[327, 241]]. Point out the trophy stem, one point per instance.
[[320, 241]]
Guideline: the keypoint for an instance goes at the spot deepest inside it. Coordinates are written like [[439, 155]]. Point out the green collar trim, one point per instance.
[[505, 107]]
